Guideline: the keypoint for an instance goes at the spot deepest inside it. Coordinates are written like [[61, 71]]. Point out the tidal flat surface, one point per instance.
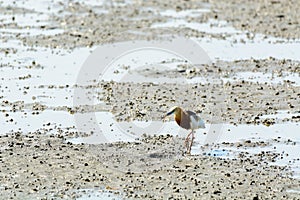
[[71, 133]]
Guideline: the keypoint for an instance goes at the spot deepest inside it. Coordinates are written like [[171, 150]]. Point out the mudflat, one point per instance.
[[38, 159]]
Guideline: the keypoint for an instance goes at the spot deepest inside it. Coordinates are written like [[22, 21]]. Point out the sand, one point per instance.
[[43, 165], [40, 166]]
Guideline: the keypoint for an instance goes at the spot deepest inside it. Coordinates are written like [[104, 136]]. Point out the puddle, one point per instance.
[[280, 114], [93, 194], [229, 51], [238, 44], [55, 60], [184, 13], [94, 2], [214, 133], [31, 31], [145, 61], [294, 191], [123, 68], [28, 121], [105, 129], [162, 73], [58, 67], [33, 94], [41, 79], [25, 20], [42, 6], [213, 26], [283, 139], [268, 78], [221, 153]]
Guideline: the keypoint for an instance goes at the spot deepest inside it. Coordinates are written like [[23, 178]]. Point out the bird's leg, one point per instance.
[[186, 143], [187, 148], [190, 147], [187, 138]]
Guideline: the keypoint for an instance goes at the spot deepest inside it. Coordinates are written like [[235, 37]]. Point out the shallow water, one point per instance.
[[43, 6], [283, 139], [279, 138], [226, 50], [259, 77], [92, 194], [46, 81], [183, 13], [214, 27], [28, 121]]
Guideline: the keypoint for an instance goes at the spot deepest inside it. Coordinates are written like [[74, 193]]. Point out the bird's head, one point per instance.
[[173, 110]]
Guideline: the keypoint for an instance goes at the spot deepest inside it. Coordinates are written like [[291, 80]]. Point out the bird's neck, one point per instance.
[[178, 117]]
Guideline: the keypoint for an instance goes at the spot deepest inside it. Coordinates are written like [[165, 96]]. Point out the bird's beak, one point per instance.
[[169, 113], [166, 115]]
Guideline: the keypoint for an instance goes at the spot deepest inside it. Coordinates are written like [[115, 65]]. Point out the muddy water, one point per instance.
[[109, 141]]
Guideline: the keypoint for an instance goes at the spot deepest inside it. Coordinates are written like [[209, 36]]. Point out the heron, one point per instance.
[[187, 120]]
